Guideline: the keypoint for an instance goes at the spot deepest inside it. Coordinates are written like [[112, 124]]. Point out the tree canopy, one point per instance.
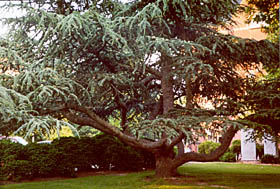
[[150, 64], [267, 13]]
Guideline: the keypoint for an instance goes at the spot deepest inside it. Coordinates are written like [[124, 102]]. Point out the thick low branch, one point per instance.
[[106, 127], [193, 156], [83, 121]]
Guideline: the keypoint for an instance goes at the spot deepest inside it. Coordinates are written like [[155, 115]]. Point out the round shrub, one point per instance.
[[228, 157], [207, 147]]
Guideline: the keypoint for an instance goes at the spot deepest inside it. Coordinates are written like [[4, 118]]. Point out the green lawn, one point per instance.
[[200, 175], [234, 175]]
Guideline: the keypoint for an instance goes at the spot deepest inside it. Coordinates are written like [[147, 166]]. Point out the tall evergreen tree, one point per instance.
[[150, 64]]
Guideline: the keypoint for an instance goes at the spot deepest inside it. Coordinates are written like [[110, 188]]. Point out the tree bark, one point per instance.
[[180, 147], [164, 164], [167, 86], [189, 95]]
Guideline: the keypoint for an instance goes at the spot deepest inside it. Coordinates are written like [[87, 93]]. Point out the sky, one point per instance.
[[5, 14], [14, 13]]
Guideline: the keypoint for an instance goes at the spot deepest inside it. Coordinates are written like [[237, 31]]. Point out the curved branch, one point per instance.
[[83, 121], [193, 156], [106, 127]]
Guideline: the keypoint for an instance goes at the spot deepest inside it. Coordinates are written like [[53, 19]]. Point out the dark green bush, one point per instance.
[[15, 169], [42, 158], [14, 163], [105, 153], [113, 154], [267, 158], [73, 153], [68, 155]]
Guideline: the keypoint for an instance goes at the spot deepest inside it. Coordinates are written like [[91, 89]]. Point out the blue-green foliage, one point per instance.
[[69, 155]]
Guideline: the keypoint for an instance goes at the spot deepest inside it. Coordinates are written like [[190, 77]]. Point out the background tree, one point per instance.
[[267, 13], [263, 102], [130, 62], [263, 98]]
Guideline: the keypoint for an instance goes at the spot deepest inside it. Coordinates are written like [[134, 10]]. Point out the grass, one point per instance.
[[234, 175], [200, 175]]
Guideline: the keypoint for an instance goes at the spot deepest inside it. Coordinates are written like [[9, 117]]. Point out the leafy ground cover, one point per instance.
[[195, 175]]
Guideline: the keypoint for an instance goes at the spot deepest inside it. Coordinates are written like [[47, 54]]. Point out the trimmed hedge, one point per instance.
[[267, 158], [69, 155], [14, 162]]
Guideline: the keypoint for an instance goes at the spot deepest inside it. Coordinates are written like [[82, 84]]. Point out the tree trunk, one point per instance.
[[164, 158], [189, 95], [167, 86], [180, 147], [164, 165]]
